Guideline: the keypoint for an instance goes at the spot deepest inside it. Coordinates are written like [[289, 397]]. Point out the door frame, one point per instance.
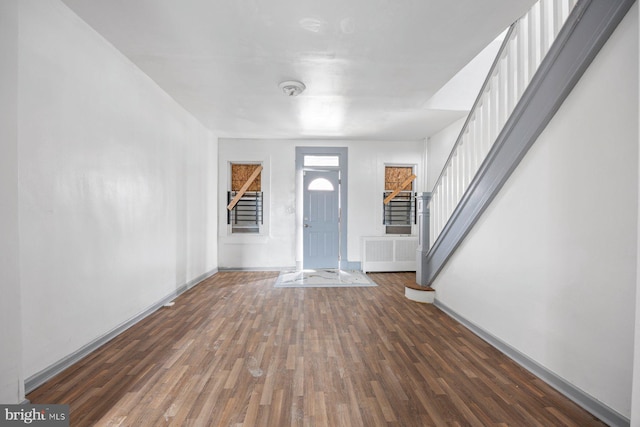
[[342, 153]]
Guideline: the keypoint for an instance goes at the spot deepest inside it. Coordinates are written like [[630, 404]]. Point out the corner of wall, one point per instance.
[[635, 393], [11, 371]]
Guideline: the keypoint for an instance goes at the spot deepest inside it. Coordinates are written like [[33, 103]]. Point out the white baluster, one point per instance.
[[452, 188], [473, 136], [462, 154], [454, 180], [486, 128], [459, 174], [445, 200], [494, 116], [460, 165], [502, 92], [450, 193], [432, 218], [533, 38], [522, 63], [473, 140], [544, 27], [466, 158], [477, 139], [558, 16], [443, 206], [441, 209]]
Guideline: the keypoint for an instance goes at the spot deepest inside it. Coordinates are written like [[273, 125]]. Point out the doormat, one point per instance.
[[326, 278]]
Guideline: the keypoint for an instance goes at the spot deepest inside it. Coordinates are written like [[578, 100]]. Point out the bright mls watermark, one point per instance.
[[34, 415]]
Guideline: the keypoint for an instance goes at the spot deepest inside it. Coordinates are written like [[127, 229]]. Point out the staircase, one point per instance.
[[542, 57]]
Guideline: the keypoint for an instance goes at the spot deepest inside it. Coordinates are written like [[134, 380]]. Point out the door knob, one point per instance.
[[307, 226]]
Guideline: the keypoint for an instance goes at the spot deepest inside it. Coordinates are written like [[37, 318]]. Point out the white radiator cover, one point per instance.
[[389, 253]]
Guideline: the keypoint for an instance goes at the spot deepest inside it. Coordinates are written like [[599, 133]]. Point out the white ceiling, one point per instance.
[[371, 67]]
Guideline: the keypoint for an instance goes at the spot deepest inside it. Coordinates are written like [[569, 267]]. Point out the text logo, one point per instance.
[[34, 415]]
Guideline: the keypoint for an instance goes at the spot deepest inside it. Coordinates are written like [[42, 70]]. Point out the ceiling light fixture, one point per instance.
[[292, 87]]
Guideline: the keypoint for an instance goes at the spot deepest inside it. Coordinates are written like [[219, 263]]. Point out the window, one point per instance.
[[398, 199], [318, 161], [245, 199]]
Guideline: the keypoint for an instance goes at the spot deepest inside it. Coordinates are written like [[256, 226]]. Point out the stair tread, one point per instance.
[[420, 288]]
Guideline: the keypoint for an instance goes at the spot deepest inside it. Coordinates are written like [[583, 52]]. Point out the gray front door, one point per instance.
[[321, 218]]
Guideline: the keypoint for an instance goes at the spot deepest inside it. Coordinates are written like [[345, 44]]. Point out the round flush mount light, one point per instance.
[[292, 87]]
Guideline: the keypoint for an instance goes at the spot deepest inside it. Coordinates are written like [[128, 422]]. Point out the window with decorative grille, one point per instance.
[[245, 199], [399, 206]]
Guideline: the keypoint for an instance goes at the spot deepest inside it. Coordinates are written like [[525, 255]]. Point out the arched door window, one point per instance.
[[320, 184]]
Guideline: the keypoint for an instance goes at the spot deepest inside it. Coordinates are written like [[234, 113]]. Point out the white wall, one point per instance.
[[116, 187], [550, 268], [277, 248], [11, 381], [439, 147]]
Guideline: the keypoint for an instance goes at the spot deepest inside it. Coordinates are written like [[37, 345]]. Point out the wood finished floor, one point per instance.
[[235, 351]]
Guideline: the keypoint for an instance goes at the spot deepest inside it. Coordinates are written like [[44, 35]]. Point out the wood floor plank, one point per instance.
[[236, 351]]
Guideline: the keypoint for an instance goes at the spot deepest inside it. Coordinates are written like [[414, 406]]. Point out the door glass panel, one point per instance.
[[320, 184]]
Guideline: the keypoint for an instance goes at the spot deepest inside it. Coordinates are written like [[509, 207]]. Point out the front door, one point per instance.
[[321, 220]]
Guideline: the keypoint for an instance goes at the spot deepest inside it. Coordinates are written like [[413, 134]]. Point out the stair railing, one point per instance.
[[525, 45]]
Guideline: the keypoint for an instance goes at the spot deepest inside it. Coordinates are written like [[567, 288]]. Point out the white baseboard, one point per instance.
[[46, 374], [589, 403]]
